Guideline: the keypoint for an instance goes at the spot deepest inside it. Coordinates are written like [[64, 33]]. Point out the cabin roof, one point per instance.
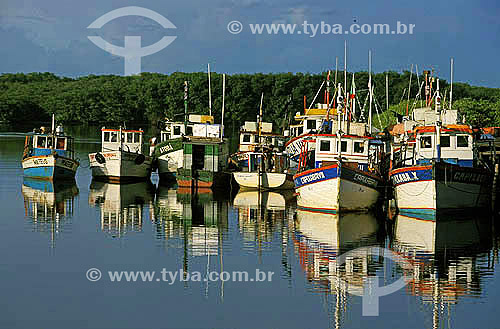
[[448, 128], [124, 130]]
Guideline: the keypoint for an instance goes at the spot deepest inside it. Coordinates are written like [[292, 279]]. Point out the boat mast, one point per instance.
[[409, 89], [438, 122], [328, 96], [53, 128], [451, 83], [345, 69], [209, 93], [223, 95], [339, 114], [370, 91], [186, 89]]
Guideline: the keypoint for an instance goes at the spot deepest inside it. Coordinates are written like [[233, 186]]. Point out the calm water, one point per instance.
[[50, 240]]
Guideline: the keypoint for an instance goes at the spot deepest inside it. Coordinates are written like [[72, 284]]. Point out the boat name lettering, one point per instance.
[[366, 180], [312, 177], [166, 148], [404, 177], [40, 161], [469, 177], [67, 163]]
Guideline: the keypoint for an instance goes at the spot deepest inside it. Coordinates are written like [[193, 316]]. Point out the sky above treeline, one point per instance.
[[52, 36]]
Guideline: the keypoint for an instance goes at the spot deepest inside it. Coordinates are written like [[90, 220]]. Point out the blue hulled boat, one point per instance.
[[49, 155]]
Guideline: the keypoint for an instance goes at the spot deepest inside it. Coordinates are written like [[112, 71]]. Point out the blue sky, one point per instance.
[[51, 35]]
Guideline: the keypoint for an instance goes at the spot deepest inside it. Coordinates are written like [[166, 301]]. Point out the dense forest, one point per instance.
[[150, 97]]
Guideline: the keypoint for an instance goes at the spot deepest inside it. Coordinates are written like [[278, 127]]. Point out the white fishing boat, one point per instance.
[[166, 149], [434, 168], [341, 171], [121, 158], [49, 154]]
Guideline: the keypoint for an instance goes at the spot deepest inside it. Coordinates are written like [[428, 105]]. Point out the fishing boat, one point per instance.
[[265, 170], [434, 167], [49, 154], [250, 141], [205, 152], [266, 167], [340, 171], [121, 158], [166, 149]]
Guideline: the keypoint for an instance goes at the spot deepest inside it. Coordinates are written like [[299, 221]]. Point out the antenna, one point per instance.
[[209, 92], [370, 88]]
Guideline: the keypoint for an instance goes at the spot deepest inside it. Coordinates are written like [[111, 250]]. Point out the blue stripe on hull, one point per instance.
[[421, 214], [49, 173]]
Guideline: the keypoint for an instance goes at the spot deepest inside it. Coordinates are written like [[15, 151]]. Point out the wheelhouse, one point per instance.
[[130, 140], [456, 145], [45, 144]]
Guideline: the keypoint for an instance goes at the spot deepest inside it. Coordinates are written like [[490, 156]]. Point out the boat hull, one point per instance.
[[427, 191], [254, 180], [169, 157], [335, 188], [49, 167], [202, 179], [120, 166]]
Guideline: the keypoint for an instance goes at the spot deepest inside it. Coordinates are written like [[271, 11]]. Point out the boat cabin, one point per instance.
[[365, 151], [205, 155], [174, 130], [45, 144], [456, 145], [311, 120], [249, 136], [130, 141]]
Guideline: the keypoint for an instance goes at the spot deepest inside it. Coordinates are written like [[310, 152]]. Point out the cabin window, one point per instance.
[[50, 142], [60, 145], [359, 147], [114, 136], [324, 146], [343, 146], [189, 130], [445, 141], [311, 124], [177, 130], [107, 136], [462, 141], [130, 137], [300, 131], [164, 137], [246, 138], [425, 142], [41, 142], [137, 138]]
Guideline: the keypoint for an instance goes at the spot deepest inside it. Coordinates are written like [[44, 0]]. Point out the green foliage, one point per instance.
[[151, 97]]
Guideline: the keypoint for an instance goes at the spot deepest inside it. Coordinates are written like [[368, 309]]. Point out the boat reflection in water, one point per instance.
[[121, 205], [261, 213], [196, 220], [48, 204], [449, 257], [320, 238]]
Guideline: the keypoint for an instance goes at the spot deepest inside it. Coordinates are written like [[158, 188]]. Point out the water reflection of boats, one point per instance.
[[121, 205], [47, 203], [199, 219], [260, 213], [448, 257], [321, 238]]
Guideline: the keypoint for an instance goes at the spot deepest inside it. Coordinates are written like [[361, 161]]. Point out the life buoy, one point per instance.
[[140, 159], [100, 158]]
